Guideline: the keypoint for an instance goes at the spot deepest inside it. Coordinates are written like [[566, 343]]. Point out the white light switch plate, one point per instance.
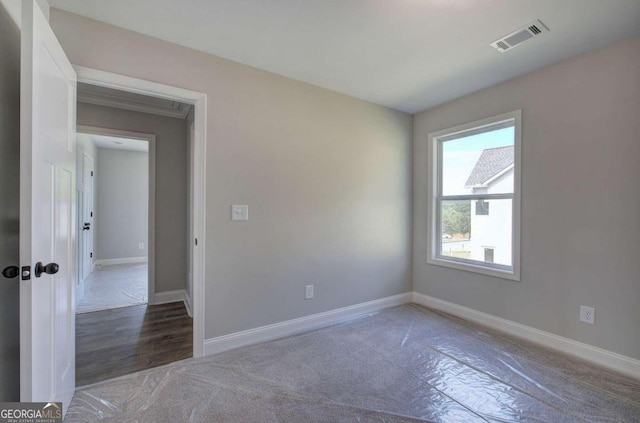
[[239, 212]]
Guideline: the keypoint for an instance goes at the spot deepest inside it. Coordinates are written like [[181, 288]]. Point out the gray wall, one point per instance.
[[327, 179], [171, 184], [9, 206], [580, 199], [122, 209]]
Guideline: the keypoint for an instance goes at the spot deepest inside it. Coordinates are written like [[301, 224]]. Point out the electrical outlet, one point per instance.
[[588, 315], [308, 292], [141, 246]]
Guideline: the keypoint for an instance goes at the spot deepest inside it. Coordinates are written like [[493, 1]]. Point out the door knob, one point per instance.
[[49, 269], [11, 272], [86, 227]]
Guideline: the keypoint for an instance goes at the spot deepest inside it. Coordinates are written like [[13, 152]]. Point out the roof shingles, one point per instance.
[[491, 162]]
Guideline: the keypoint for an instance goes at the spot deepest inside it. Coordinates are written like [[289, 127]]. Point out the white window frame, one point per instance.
[[434, 255]]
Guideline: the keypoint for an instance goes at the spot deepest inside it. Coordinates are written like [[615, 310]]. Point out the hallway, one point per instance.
[[124, 340]]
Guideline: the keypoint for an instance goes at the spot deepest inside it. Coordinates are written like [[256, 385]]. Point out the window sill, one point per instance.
[[513, 275]]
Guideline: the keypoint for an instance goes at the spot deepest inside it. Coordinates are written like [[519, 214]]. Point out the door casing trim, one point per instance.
[[151, 220]]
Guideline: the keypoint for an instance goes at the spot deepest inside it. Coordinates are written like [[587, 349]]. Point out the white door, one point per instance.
[[87, 220], [47, 213]]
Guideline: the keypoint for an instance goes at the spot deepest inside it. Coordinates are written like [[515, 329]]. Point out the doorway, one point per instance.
[[133, 216], [194, 240], [116, 224]]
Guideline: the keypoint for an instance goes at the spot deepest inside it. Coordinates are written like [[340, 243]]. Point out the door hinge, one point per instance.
[[92, 173], [91, 214], [91, 255]]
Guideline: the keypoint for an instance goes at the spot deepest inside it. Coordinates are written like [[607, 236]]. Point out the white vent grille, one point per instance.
[[519, 36]]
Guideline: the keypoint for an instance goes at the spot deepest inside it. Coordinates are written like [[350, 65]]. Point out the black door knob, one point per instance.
[[49, 269], [11, 272], [86, 227]]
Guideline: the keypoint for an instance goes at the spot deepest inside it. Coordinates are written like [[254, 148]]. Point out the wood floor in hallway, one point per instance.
[[120, 341]]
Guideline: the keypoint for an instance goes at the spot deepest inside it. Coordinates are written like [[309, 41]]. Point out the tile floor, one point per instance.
[[403, 364], [115, 286]]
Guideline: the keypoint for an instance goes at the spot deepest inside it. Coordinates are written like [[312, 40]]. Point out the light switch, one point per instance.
[[239, 212]]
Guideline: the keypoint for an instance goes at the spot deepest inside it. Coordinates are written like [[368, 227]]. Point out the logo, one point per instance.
[[30, 412]]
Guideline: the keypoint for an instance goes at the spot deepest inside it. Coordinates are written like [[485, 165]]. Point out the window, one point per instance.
[[475, 196], [482, 208], [488, 255]]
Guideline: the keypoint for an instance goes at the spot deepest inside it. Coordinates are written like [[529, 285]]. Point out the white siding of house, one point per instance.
[[493, 230]]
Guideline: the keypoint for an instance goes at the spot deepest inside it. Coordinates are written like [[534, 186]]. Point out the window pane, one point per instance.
[[482, 207], [480, 163], [456, 228], [488, 255], [485, 238]]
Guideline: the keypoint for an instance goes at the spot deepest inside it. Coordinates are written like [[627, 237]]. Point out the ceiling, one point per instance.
[[409, 55], [115, 143]]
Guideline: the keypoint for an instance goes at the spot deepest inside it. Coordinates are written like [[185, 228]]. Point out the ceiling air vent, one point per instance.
[[519, 36]]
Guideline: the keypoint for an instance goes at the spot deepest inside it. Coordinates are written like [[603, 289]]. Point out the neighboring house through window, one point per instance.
[[475, 216], [492, 173]]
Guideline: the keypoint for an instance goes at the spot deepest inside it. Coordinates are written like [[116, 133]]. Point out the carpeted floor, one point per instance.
[[115, 286], [402, 364]]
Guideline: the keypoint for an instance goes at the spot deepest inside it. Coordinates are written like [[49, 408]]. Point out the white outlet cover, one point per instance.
[[308, 292], [588, 315], [239, 212]]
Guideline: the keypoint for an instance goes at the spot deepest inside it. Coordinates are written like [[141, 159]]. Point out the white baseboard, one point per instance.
[[615, 361], [173, 297], [187, 303], [296, 326], [125, 260], [609, 359], [169, 297]]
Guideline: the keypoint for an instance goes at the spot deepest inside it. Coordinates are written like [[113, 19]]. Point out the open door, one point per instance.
[[87, 217], [47, 214]]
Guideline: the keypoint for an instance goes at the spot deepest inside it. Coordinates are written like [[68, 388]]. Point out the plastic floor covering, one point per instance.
[[403, 364], [115, 286]]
